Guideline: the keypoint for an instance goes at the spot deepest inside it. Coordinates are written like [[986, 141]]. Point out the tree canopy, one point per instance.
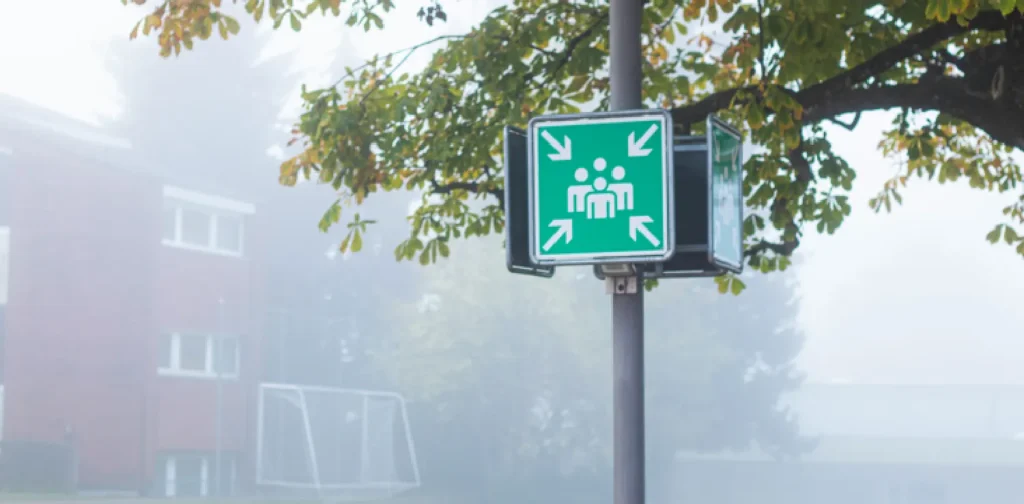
[[952, 70]]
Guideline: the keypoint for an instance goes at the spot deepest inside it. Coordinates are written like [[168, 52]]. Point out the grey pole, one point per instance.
[[217, 358], [627, 307]]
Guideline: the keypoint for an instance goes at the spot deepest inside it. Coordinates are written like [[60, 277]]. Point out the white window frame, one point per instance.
[[210, 371], [215, 207], [205, 475]]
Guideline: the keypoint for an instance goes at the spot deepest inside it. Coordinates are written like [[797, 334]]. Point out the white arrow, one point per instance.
[[562, 152], [564, 228], [636, 148], [638, 223]]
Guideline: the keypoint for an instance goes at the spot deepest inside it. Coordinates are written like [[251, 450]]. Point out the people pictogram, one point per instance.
[[600, 204], [600, 199], [578, 193], [623, 190]]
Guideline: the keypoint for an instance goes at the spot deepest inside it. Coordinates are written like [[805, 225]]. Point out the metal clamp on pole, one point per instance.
[[620, 278]]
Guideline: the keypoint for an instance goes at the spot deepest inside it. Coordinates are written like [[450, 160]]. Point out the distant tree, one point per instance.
[[330, 308], [205, 121], [738, 354], [521, 366], [953, 72]]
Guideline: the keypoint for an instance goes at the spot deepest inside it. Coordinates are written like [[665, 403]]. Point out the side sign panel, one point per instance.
[[725, 180], [517, 207]]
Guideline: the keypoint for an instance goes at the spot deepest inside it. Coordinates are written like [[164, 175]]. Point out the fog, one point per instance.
[[173, 324]]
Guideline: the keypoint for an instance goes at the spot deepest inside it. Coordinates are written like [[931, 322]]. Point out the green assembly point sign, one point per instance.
[[725, 170], [601, 188]]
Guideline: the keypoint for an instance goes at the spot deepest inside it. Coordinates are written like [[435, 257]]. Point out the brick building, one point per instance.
[[127, 304], [142, 307]]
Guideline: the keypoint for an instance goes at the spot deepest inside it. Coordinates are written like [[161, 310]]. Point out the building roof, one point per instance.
[[18, 113], [29, 127]]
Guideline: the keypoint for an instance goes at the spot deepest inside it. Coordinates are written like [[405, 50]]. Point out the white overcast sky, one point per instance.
[[916, 296]]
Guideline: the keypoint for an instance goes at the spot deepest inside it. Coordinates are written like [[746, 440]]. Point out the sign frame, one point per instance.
[[713, 122], [510, 260], [668, 169]]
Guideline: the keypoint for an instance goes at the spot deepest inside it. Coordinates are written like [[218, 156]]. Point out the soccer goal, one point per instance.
[[344, 444]]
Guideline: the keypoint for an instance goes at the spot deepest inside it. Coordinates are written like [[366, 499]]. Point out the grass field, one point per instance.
[[55, 498]]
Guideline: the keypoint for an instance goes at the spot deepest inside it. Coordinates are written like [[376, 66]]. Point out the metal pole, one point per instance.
[[626, 77], [218, 356]]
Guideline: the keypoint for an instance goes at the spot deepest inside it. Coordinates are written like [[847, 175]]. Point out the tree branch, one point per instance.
[[947, 95], [850, 126], [410, 49], [876, 65], [840, 95], [782, 249], [914, 44], [473, 187], [837, 95], [760, 34], [571, 44]]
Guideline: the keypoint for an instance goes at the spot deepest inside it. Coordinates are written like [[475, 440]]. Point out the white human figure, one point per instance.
[[600, 204], [733, 155], [623, 190], [577, 193]]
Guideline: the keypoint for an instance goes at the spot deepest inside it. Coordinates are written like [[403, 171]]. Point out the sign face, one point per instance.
[[725, 177], [601, 188]]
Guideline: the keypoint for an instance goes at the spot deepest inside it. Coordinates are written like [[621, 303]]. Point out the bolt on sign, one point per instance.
[[601, 188]]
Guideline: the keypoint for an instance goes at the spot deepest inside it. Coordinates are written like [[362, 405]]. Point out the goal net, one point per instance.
[[332, 442]]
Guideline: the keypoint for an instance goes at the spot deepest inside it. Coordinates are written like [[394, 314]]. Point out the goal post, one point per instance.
[[334, 442]]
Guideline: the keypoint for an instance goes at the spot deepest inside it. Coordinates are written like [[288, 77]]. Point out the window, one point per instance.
[[229, 232], [5, 254], [204, 223], [195, 226], [199, 355], [194, 475]]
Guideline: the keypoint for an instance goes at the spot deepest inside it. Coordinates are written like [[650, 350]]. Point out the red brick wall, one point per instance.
[[92, 290], [83, 250], [183, 409]]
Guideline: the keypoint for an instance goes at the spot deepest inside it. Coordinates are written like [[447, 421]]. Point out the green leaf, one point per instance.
[[1010, 235], [232, 25], [737, 286], [331, 216], [993, 236], [296, 24], [377, 21], [670, 35], [723, 284], [577, 83], [357, 240]]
